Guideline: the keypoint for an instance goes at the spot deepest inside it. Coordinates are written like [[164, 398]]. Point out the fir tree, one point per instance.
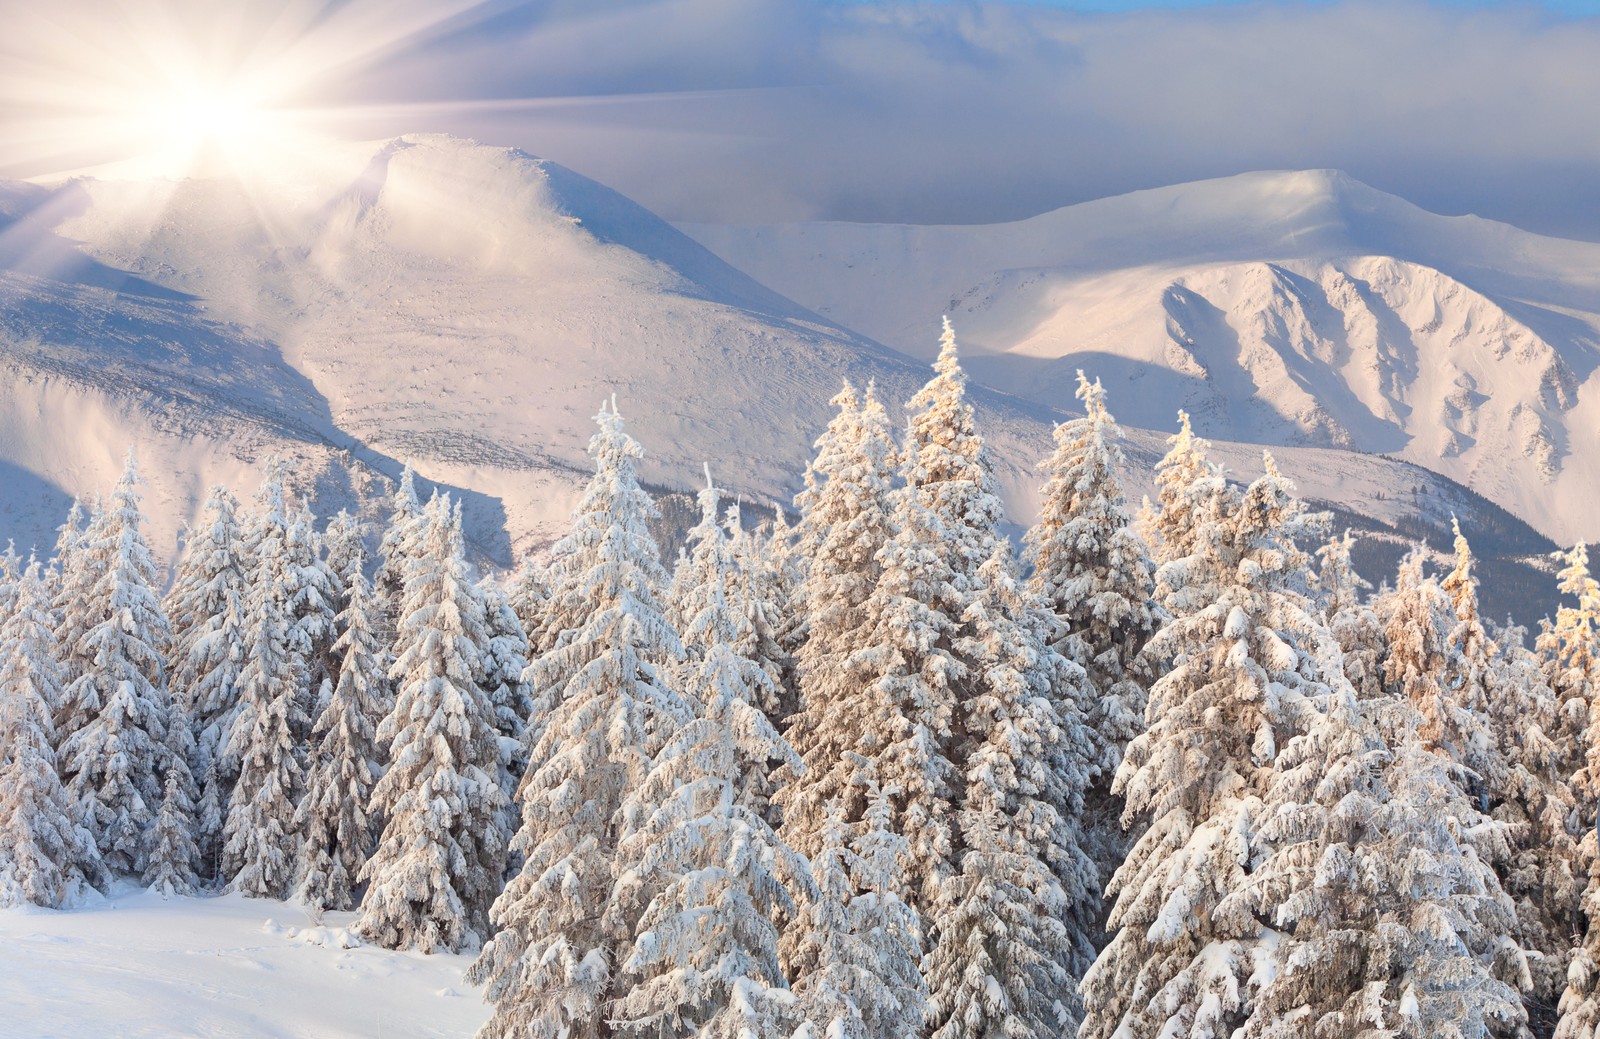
[[400, 544], [711, 874], [845, 522], [1419, 620], [1572, 657], [263, 747], [548, 970], [1095, 578], [72, 609], [173, 867], [864, 941], [46, 857], [1245, 676], [759, 593], [1534, 802], [1389, 921], [1350, 618], [337, 830], [313, 594], [114, 761], [505, 658], [1187, 483], [441, 857], [206, 607]]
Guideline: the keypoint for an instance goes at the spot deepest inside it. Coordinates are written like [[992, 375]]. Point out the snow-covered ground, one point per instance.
[[219, 968]]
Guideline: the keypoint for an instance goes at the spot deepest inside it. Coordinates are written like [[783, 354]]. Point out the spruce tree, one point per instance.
[[862, 939], [548, 971], [1572, 659], [336, 827], [1389, 921], [1187, 482], [1184, 955], [845, 522], [114, 761], [1419, 620], [46, 856], [505, 653], [1094, 575], [174, 864], [400, 544], [761, 600], [263, 748], [1350, 618], [206, 607], [1534, 802], [1012, 927], [441, 857], [72, 609], [709, 872]]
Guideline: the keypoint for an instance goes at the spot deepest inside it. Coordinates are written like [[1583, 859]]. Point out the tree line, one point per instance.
[[1174, 771]]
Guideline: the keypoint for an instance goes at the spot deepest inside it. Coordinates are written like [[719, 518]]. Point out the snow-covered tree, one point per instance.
[[1470, 654], [548, 970], [1093, 574], [263, 746], [344, 550], [529, 596], [46, 856], [441, 858], [113, 763], [1570, 649], [1244, 677], [337, 831], [1012, 927], [1390, 923], [845, 522], [712, 876], [206, 607], [761, 600], [1419, 619], [401, 542], [864, 942], [313, 592], [716, 670], [72, 581], [1351, 618], [505, 658], [1187, 483], [1572, 659], [174, 864], [1533, 799]]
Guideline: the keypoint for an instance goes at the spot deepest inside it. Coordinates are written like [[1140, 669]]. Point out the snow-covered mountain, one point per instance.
[[463, 307], [1279, 308], [467, 308]]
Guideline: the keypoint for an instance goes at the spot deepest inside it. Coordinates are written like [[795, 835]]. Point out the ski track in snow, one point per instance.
[[226, 967]]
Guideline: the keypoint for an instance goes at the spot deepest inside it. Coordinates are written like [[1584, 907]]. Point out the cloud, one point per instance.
[[968, 111], [776, 109]]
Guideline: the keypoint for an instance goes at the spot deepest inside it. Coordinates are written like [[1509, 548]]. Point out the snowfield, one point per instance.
[[227, 967]]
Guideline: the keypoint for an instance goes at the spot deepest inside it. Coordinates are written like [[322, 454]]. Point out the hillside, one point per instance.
[[467, 308], [1279, 308]]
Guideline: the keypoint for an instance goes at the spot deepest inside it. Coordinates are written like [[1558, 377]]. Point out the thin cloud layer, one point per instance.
[[764, 110]]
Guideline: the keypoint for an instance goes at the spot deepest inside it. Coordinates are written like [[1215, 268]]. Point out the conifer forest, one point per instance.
[[878, 773]]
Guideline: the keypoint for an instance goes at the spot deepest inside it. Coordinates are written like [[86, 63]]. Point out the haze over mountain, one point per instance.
[[463, 307], [1279, 308], [467, 308]]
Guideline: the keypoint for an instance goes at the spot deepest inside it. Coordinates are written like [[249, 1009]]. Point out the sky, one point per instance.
[[931, 112]]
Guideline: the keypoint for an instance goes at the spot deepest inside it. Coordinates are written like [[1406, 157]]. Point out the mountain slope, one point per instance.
[[465, 308], [428, 299], [1280, 308]]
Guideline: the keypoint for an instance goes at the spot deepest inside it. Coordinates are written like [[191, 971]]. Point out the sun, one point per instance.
[[198, 129], [176, 89]]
